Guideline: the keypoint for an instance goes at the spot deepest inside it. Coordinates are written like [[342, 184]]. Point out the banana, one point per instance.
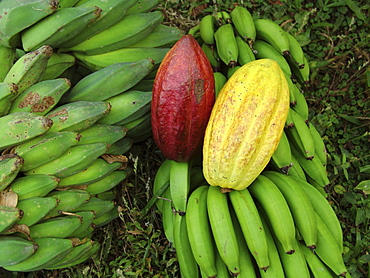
[[296, 53], [139, 113], [120, 147], [222, 270], [226, 45], [35, 209], [69, 201], [231, 71], [110, 81], [57, 64], [263, 49], [49, 249], [57, 227], [67, 3], [87, 232], [251, 226], [7, 59], [313, 168], [15, 250], [207, 29], [269, 31], [41, 97], [59, 27], [130, 29], [8, 217], [277, 210], [8, 93], [223, 228], [317, 186], [33, 186], [106, 218], [102, 133], [44, 148], [289, 123], [301, 105], [320, 149], [246, 54], [188, 266], [180, 185], [299, 204], [302, 74], [74, 160], [282, 157], [162, 177], [99, 61], [212, 55], [98, 206], [316, 266], [29, 68], [107, 182], [109, 195], [96, 171], [20, 127], [296, 169], [292, 91], [127, 107], [244, 24], [199, 232], [299, 136], [328, 250], [143, 6], [78, 115], [18, 15], [140, 127], [220, 80], [112, 12], [324, 210], [168, 216], [10, 166]]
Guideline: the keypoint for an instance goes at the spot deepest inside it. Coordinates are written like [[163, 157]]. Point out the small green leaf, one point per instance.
[[351, 119], [365, 169], [339, 189], [356, 9], [364, 186]]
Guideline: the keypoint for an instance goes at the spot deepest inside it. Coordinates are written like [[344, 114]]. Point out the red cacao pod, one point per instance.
[[182, 100]]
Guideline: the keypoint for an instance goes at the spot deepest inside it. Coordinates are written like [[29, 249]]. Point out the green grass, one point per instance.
[[336, 39]]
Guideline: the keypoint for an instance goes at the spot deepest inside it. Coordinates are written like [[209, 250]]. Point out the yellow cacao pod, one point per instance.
[[245, 125]]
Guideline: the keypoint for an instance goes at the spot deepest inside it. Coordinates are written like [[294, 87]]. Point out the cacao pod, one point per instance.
[[245, 125], [182, 100]]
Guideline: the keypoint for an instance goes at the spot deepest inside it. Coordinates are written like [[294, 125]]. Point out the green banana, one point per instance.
[[222, 270], [279, 215], [188, 266], [78, 115], [269, 31], [299, 204], [302, 74], [59, 27], [320, 149], [86, 231], [316, 266], [168, 217], [102, 133], [110, 81], [231, 71], [180, 185], [207, 29], [69, 201], [8, 217], [162, 177], [74, 160], [98, 206], [282, 157], [49, 249], [7, 59], [199, 232], [212, 55], [244, 24], [292, 91], [29, 68], [143, 6], [35, 209], [160, 36], [112, 12], [251, 226], [137, 113], [67, 3], [223, 228], [107, 183], [41, 97], [130, 29], [246, 54], [22, 126], [226, 45], [33, 186], [10, 166], [106, 218], [301, 105], [107, 195], [99, 61], [220, 80], [57, 64], [296, 169], [93, 173], [299, 136], [296, 54], [15, 250], [289, 123], [265, 50], [18, 15], [45, 148], [8, 93], [120, 147], [144, 85]]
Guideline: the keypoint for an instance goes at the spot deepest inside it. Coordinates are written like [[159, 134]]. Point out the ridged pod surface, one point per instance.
[[245, 125], [183, 96]]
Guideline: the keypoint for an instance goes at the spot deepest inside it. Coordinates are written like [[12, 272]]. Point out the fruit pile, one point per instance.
[[252, 202], [69, 114]]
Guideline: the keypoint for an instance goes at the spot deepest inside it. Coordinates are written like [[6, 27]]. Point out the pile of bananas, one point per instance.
[[281, 225], [68, 114]]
